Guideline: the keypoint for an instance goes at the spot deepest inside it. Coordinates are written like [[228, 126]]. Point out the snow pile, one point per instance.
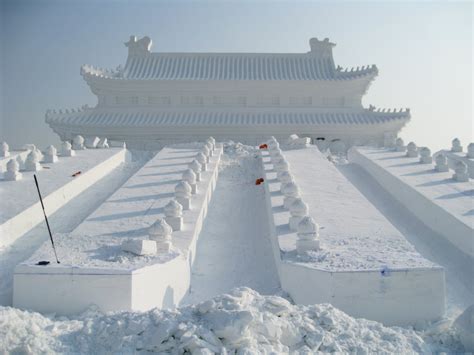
[[241, 322]]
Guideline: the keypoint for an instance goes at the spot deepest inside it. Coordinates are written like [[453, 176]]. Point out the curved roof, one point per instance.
[[132, 118], [200, 66], [142, 64]]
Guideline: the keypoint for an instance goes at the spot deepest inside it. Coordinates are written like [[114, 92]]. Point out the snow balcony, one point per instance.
[[96, 270], [428, 190], [20, 208], [344, 252]]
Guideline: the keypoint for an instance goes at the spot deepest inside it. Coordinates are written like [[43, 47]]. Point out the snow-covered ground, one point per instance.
[[354, 234], [234, 249], [241, 322]]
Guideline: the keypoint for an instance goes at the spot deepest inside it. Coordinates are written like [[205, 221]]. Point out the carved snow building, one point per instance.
[[162, 98]]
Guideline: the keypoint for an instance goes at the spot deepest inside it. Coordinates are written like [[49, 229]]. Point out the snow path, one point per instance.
[[233, 249], [458, 269], [63, 221]]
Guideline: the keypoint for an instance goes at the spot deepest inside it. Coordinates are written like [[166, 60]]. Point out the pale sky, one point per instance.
[[423, 50]]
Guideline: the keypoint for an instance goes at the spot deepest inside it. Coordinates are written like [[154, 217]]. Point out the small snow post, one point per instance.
[[47, 224]]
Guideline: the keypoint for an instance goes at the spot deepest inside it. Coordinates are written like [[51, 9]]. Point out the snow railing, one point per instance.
[[456, 155], [300, 221], [439, 198], [159, 274], [59, 189], [373, 292]]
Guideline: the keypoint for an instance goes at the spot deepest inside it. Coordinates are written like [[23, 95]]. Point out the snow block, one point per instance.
[[89, 274], [139, 247], [364, 267]]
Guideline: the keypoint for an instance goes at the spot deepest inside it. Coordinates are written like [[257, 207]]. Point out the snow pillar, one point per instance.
[[160, 232], [196, 167], [174, 215], [456, 146], [66, 150], [425, 156], [32, 161], [298, 210], [78, 143], [441, 163], [51, 154], [308, 234], [400, 145], [190, 177], [291, 192], [12, 173], [183, 194], [460, 172], [412, 150]]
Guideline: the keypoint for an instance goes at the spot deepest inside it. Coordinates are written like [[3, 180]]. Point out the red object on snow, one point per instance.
[[259, 181], [76, 173], [263, 146]]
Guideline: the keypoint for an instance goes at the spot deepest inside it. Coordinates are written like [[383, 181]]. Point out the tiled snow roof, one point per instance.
[[97, 117], [234, 67], [142, 64]]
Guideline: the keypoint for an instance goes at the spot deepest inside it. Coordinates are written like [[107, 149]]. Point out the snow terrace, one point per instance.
[[428, 188], [332, 245], [20, 209], [101, 249]]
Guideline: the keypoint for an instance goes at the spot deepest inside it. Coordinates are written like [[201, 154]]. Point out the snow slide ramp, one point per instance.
[[234, 248]]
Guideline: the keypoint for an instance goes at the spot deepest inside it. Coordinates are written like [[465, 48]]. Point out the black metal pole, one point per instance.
[[46, 218]]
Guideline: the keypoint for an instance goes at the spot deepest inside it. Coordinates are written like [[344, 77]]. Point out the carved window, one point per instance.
[[268, 101], [333, 101], [301, 100], [192, 100], [229, 101], [159, 100], [126, 100]]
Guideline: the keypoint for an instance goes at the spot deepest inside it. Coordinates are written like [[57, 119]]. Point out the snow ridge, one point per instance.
[[242, 322]]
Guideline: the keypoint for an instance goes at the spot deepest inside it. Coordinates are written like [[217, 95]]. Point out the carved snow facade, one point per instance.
[[162, 98]]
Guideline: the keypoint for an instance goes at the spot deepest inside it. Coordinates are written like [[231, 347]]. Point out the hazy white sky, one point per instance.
[[423, 50]]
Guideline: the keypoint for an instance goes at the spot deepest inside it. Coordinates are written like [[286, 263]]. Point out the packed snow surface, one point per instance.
[[127, 214], [50, 178], [354, 235], [241, 322]]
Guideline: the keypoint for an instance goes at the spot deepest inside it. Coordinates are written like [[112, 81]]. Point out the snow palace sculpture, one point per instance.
[[162, 98]]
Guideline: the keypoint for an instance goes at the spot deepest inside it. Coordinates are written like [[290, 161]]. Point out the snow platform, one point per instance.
[[20, 208], [435, 198], [365, 266], [94, 269]]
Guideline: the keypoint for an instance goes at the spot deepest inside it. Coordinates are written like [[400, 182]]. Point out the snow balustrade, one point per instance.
[[155, 214], [331, 245], [56, 180], [440, 198]]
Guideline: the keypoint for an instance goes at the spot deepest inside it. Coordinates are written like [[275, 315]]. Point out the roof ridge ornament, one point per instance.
[[322, 48], [138, 46]]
